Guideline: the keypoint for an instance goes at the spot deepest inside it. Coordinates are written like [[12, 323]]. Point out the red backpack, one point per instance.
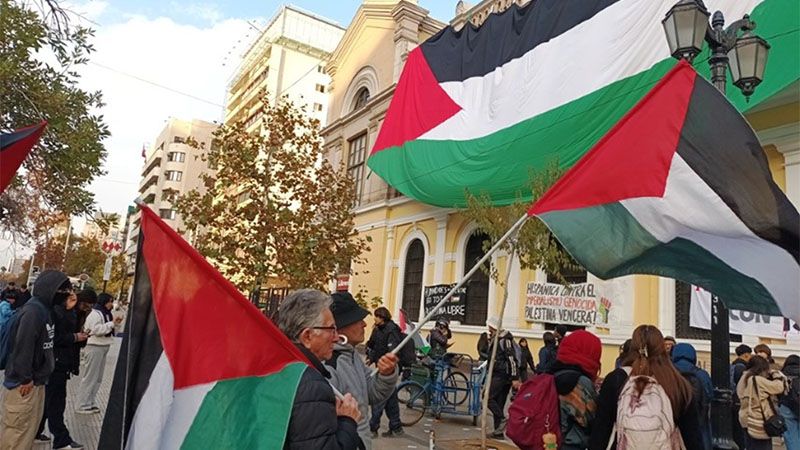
[[535, 412]]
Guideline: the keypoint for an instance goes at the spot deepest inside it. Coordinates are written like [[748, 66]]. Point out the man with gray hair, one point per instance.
[[319, 420]]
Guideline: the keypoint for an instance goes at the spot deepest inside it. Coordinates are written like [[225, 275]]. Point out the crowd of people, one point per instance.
[[657, 396], [43, 334]]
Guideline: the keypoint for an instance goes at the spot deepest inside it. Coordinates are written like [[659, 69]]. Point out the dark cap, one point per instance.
[[345, 309], [743, 349]]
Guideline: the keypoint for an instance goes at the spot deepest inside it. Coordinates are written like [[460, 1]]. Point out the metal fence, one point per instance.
[[269, 300]]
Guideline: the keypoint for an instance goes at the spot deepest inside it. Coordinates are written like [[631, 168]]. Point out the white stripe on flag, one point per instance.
[[586, 58], [690, 209], [164, 415]]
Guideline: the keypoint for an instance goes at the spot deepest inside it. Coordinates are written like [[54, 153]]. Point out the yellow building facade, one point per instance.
[[416, 245]]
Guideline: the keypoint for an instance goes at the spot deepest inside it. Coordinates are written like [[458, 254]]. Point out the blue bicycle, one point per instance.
[[437, 387]]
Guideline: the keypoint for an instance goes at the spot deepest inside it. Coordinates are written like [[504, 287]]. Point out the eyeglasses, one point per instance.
[[331, 329]]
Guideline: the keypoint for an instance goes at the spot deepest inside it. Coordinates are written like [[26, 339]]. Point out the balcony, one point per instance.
[[150, 182], [156, 162]]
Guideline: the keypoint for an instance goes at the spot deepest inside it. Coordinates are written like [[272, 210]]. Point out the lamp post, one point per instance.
[[686, 26]]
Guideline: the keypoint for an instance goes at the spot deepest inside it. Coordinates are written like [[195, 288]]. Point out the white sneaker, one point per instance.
[[92, 410]]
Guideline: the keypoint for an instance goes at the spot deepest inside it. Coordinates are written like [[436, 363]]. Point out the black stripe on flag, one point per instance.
[[141, 348], [722, 149], [473, 52]]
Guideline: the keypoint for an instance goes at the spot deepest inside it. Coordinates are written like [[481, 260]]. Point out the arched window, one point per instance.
[[477, 303], [412, 279], [361, 99]]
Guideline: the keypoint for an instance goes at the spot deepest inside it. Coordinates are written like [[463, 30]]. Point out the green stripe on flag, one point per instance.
[[250, 412], [609, 242]]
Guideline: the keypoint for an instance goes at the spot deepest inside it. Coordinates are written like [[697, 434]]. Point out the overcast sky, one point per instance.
[[157, 59]]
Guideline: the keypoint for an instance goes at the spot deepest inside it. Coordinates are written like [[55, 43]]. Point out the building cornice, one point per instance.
[[786, 138], [343, 121]]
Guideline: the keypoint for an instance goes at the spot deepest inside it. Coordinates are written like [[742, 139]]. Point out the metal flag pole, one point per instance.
[[461, 283]]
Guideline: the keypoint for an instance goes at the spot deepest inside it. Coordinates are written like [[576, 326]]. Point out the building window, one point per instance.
[[477, 304], [173, 175], [167, 214], [320, 69], [317, 107], [361, 99], [355, 164], [178, 140], [412, 279], [320, 88], [176, 156], [242, 197]]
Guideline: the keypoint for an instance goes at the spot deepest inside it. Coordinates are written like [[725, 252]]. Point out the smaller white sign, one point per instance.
[[107, 269]]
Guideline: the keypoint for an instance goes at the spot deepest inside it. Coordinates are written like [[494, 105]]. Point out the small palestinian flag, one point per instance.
[[476, 109], [408, 327], [680, 187], [14, 148], [200, 367]]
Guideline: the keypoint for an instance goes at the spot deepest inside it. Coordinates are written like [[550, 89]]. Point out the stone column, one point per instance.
[[407, 17], [441, 237]]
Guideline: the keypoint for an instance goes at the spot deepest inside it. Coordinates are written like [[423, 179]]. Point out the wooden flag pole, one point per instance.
[[514, 228], [495, 340]]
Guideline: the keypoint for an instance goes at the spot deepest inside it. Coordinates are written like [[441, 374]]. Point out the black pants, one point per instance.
[[55, 401], [498, 393], [738, 431]]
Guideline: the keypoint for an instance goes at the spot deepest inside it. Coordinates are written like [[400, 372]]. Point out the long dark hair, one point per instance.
[[757, 366], [651, 359]]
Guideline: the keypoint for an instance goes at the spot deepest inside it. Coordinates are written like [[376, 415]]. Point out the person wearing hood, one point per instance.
[[319, 420], [790, 403], [505, 374], [100, 328], [738, 367], [30, 361], [684, 358], [348, 372], [575, 371], [66, 351]]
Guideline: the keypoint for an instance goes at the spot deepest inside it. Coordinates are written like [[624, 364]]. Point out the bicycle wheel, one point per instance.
[[413, 402], [455, 388]]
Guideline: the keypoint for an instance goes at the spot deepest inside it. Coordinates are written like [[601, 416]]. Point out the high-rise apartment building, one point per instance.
[[172, 167], [288, 59]]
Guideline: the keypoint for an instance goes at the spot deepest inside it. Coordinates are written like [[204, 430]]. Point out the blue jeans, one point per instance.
[[392, 408], [792, 435]]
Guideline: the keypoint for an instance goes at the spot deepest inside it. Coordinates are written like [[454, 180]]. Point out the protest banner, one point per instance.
[[454, 309], [741, 322], [576, 304]]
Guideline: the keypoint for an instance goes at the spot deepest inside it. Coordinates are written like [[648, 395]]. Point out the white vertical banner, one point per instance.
[[107, 269], [741, 322]]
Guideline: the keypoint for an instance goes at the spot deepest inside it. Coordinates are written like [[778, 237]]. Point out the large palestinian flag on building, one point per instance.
[[478, 108], [14, 148], [200, 367], [680, 187]]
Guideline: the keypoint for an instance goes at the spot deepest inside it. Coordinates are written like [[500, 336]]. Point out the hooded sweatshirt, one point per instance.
[[350, 375], [684, 358], [576, 367], [100, 326], [31, 357]]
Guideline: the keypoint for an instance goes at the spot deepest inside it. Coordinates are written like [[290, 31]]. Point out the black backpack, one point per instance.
[[792, 399]]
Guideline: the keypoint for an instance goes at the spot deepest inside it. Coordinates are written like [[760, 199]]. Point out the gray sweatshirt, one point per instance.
[[349, 374]]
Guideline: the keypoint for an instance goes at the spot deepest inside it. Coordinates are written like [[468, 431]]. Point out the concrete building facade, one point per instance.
[[288, 59], [172, 167]]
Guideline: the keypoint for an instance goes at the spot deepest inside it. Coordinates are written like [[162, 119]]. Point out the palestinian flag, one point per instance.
[[680, 188], [14, 148], [478, 108], [200, 367], [408, 327]]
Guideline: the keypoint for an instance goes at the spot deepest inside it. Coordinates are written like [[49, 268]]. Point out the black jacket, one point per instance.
[[605, 418], [314, 424], [383, 339], [31, 357], [65, 350], [527, 360], [506, 364]]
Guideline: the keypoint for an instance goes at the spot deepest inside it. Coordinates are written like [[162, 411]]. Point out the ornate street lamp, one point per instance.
[[686, 26]]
